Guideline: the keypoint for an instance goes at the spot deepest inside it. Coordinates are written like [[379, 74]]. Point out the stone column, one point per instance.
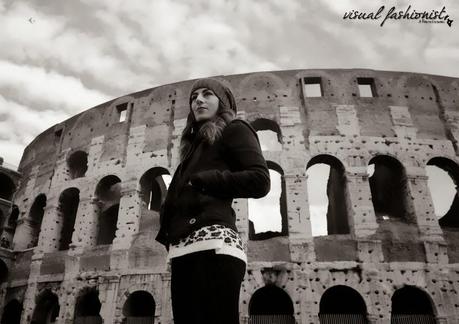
[[85, 228], [128, 216], [361, 206], [422, 204], [51, 227]]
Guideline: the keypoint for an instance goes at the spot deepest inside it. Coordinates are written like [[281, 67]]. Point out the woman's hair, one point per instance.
[[210, 130]]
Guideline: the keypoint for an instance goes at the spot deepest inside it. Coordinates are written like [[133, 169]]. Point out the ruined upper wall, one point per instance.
[[431, 100]]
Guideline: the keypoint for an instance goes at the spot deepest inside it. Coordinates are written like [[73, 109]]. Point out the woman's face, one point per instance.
[[204, 104]]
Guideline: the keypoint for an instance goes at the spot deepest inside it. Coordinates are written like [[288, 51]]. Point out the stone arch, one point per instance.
[[87, 306], [153, 188], [389, 189], [450, 217], [7, 187], [268, 125], [47, 308], [140, 306], [342, 304], [411, 304], [337, 214], [67, 211], [107, 195], [273, 204], [12, 312], [77, 164], [35, 218], [272, 305]]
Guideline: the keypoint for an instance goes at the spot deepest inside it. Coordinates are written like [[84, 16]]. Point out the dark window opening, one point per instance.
[[46, 309], [68, 207], [57, 134], [77, 164], [139, 306], [367, 87], [341, 304], [108, 195], [12, 221], [313, 87], [153, 187], [35, 218], [412, 305], [389, 189], [2, 220], [12, 313], [87, 307], [271, 304], [3, 272], [108, 225], [122, 111], [327, 196], [268, 215], [7, 187], [443, 176]]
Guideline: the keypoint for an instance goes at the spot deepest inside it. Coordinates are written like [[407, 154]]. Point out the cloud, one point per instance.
[[75, 55], [19, 125], [35, 85]]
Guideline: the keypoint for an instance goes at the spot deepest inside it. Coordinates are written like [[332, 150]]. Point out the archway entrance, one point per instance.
[[410, 305], [341, 304], [139, 308], [272, 305]]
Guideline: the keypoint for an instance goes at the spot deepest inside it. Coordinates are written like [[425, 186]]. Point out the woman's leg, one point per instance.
[[227, 275], [205, 288]]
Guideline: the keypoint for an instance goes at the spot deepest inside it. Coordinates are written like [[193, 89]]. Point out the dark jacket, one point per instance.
[[232, 167]]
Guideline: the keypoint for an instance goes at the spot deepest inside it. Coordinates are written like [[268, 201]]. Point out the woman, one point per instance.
[[220, 159]]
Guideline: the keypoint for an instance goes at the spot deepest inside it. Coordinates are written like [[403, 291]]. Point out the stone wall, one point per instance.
[[410, 119]]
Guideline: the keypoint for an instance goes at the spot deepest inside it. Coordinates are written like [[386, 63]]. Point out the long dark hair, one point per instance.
[[208, 131]]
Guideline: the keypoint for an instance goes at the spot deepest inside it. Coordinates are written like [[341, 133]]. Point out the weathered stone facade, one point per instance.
[[91, 174]]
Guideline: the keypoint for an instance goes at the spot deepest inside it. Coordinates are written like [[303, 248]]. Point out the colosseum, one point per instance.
[[79, 216]]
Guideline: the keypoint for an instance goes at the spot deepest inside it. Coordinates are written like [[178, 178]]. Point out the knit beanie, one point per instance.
[[221, 91]]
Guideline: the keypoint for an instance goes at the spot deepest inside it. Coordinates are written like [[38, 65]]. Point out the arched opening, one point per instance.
[[77, 164], [2, 221], [443, 176], [269, 134], [9, 227], [3, 272], [271, 304], [12, 312], [327, 195], [139, 308], [108, 195], [7, 187], [87, 307], [68, 207], [153, 187], [35, 218], [268, 215], [412, 305], [389, 189], [46, 309], [342, 304]]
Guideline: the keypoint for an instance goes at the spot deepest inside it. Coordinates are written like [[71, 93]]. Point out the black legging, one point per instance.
[[205, 288]]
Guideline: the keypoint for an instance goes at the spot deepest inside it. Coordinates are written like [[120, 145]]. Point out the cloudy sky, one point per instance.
[[59, 58]]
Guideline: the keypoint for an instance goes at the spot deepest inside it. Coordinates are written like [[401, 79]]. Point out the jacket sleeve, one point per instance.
[[249, 177]]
